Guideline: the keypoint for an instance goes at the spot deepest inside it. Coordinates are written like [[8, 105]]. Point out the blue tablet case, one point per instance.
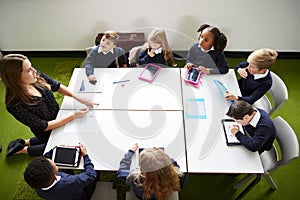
[[220, 86]]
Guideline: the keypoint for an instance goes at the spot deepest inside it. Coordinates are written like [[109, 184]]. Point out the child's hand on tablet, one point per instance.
[[189, 66], [82, 149]]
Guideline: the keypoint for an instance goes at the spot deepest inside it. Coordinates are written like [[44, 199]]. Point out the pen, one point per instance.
[[120, 81]]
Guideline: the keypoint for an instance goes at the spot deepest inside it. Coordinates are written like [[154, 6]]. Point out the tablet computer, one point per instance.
[[193, 76], [230, 138], [220, 86], [68, 156], [149, 72]]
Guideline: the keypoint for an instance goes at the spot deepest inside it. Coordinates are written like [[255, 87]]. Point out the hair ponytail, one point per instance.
[[220, 42]]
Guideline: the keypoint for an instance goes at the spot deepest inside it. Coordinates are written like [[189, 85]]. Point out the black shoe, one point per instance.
[[14, 142], [14, 149]]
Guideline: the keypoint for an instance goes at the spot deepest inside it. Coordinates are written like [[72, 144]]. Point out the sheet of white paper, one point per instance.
[[195, 108], [87, 87]]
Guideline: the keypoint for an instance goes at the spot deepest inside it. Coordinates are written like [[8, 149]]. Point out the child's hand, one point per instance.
[[151, 53], [92, 78], [134, 147], [188, 66], [204, 70], [234, 129], [229, 96], [82, 149], [242, 72]]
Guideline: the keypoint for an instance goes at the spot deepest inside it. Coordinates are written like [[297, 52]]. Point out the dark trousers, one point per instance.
[[36, 147]]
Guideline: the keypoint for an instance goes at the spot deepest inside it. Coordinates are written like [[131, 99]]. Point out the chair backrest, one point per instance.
[[287, 141], [174, 196], [133, 55], [131, 196], [278, 91], [104, 190], [88, 50]]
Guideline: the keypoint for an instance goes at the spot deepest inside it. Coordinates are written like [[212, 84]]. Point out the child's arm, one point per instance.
[[143, 58], [241, 69], [90, 62], [124, 169]]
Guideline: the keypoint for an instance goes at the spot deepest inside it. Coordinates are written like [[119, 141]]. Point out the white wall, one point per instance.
[[72, 24]]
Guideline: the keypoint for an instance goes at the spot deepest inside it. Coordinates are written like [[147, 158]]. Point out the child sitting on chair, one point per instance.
[[106, 54], [259, 126], [156, 49], [255, 75], [158, 177], [207, 55], [43, 176]]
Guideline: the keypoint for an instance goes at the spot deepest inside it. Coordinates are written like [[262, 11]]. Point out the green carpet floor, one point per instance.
[[199, 186]]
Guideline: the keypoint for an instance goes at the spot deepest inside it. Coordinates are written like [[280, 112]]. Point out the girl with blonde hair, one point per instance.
[[158, 177], [156, 49]]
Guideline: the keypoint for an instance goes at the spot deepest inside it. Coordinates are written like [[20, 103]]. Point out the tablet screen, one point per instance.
[[230, 138], [193, 75], [149, 73], [66, 156]]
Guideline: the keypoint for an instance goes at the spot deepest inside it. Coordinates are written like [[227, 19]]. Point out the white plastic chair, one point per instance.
[[131, 196], [88, 50], [288, 147], [278, 93], [104, 190]]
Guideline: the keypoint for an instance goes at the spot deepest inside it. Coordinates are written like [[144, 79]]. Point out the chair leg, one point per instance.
[[270, 181], [243, 181]]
